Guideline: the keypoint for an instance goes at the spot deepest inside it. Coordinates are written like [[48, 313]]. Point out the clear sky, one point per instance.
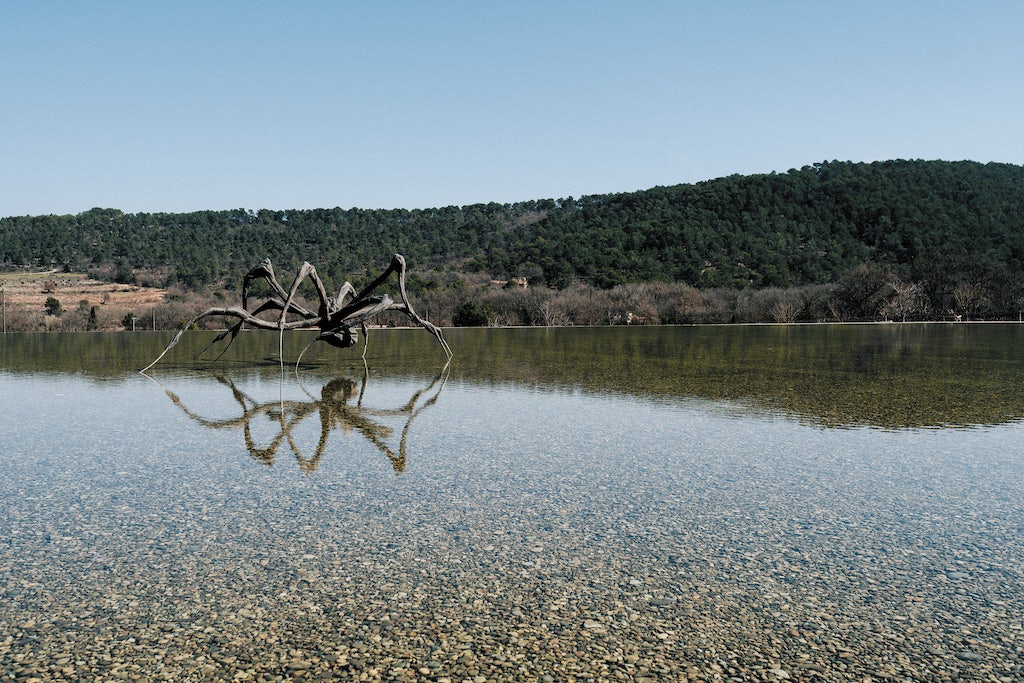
[[185, 105]]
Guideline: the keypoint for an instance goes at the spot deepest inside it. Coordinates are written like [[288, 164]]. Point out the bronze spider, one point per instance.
[[337, 317]]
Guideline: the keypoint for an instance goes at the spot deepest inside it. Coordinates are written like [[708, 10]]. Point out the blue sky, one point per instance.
[[217, 104]]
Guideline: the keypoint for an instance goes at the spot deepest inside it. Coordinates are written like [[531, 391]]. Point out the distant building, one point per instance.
[[514, 282]]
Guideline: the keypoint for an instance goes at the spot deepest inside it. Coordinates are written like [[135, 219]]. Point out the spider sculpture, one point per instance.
[[337, 318]]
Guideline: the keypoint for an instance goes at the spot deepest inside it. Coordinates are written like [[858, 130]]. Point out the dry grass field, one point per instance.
[[25, 294]]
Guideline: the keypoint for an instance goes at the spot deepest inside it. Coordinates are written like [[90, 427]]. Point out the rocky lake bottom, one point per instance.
[[417, 529]]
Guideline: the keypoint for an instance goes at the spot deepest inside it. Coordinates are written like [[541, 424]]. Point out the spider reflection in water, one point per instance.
[[336, 409]]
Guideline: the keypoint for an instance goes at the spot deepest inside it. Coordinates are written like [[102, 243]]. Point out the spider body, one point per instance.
[[344, 339]]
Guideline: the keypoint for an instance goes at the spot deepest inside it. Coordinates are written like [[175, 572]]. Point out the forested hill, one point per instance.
[[924, 220]]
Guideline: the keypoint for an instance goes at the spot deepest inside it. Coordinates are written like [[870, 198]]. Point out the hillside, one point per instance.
[[938, 224]]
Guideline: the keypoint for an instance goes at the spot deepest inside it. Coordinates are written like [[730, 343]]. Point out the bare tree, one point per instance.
[[968, 298], [906, 299]]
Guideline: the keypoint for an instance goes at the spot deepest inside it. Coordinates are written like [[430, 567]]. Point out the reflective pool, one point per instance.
[[763, 503]]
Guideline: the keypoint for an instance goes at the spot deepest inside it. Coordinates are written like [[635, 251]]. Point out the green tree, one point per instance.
[[53, 306], [803, 227], [864, 291], [471, 314]]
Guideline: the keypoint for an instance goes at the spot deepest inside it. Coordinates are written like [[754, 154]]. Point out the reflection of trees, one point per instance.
[[336, 410]]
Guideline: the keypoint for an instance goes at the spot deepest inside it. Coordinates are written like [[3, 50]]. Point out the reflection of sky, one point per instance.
[[62, 419], [49, 415]]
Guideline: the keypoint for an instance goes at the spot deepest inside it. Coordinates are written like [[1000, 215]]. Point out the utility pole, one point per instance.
[[3, 304]]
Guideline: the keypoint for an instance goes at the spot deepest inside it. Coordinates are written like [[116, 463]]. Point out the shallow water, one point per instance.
[[833, 502]]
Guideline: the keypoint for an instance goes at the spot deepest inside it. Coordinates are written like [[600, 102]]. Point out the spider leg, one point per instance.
[[268, 305], [347, 291], [360, 311], [427, 325], [233, 331], [233, 312], [398, 265], [305, 270], [399, 261], [396, 262], [340, 332], [265, 271], [278, 305]]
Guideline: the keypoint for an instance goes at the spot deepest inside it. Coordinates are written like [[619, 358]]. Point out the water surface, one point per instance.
[[832, 502]]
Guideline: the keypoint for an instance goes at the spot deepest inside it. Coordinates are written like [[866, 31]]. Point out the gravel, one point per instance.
[[582, 538]]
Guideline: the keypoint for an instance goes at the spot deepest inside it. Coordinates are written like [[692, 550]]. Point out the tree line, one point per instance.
[[903, 239]]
